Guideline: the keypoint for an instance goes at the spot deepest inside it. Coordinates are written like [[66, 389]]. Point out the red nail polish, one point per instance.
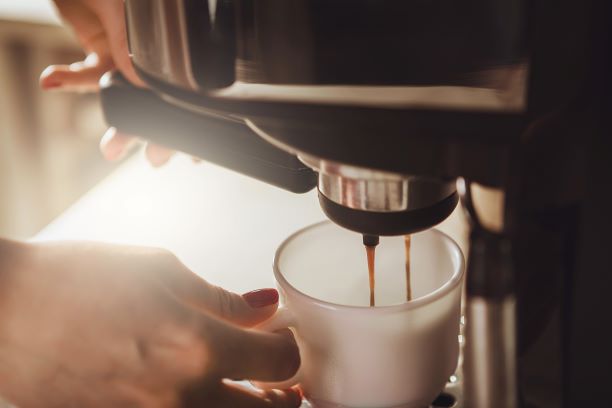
[[297, 389], [261, 297], [51, 85]]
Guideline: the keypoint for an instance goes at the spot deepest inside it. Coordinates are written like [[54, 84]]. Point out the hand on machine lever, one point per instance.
[[100, 28]]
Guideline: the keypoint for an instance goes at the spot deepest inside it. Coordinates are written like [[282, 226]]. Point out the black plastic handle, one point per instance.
[[225, 141]]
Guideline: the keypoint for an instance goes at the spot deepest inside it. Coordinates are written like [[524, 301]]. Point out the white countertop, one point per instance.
[[223, 225]]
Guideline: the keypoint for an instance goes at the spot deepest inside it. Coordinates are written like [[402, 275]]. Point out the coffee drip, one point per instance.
[[407, 241], [370, 242], [371, 253]]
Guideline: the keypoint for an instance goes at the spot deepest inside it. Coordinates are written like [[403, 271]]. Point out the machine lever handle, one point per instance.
[[222, 140]]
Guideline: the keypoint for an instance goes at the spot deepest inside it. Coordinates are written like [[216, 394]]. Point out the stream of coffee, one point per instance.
[[371, 254], [408, 280]]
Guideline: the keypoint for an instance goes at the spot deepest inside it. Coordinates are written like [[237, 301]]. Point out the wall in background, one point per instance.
[[48, 140]]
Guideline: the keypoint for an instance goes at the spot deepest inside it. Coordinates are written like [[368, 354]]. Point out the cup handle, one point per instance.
[[282, 319]]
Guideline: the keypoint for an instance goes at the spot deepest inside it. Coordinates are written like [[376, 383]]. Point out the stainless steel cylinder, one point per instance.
[[378, 191], [490, 353]]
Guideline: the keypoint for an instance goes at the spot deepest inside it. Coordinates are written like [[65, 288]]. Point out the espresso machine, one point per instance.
[[395, 111]]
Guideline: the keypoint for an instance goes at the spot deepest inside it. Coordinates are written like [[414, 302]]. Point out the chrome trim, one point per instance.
[[363, 194], [489, 367], [159, 44], [365, 189]]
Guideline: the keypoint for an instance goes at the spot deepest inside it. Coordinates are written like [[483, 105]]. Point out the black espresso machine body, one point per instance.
[[384, 104]]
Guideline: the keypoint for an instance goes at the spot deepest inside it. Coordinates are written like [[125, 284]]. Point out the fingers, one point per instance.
[[114, 145], [250, 354], [85, 24], [158, 155], [100, 28], [80, 76], [235, 396]]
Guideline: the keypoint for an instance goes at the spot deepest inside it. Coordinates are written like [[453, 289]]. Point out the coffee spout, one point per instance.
[[370, 240]]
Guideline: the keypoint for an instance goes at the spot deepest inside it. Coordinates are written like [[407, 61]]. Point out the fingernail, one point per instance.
[[261, 297], [51, 85], [299, 390]]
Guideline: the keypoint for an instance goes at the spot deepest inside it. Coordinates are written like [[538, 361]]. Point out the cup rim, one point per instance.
[[432, 296]]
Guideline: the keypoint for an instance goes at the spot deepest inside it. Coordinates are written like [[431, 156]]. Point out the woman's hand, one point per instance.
[[93, 325], [100, 28]]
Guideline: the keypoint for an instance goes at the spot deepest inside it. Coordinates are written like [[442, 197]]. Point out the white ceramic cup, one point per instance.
[[397, 354]]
